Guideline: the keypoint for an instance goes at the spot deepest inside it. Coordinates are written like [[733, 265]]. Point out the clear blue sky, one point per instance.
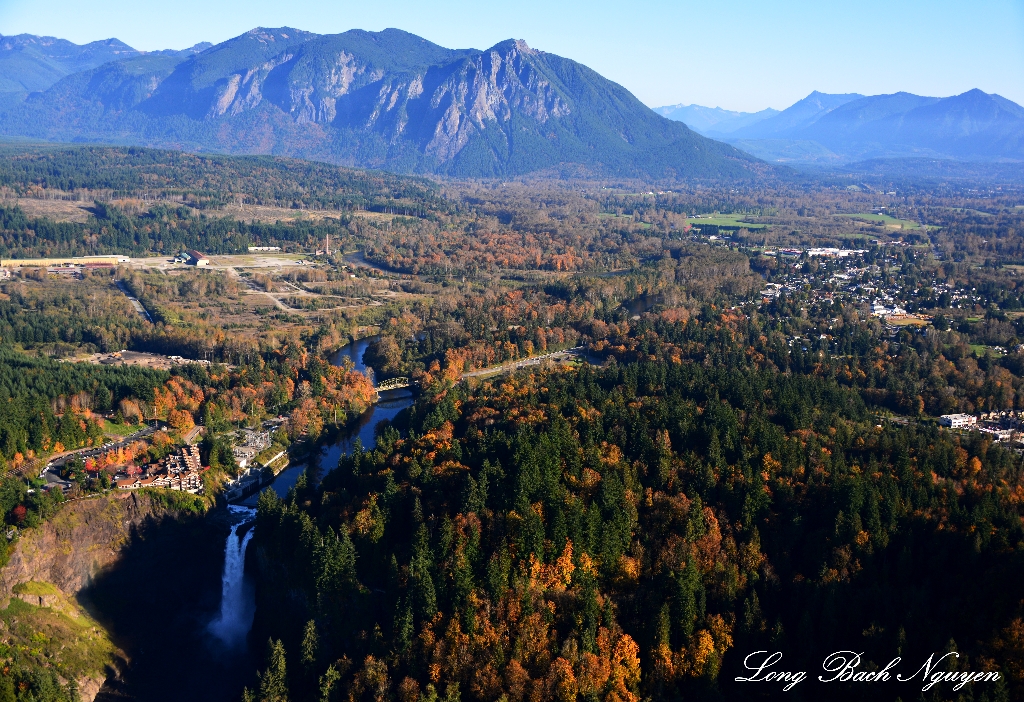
[[737, 54]]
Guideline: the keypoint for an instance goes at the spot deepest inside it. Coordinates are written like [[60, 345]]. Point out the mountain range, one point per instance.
[[384, 99], [29, 63], [973, 126], [395, 101], [713, 121]]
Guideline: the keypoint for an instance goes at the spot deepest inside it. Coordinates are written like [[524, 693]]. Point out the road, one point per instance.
[[255, 290], [51, 471], [193, 433], [294, 291], [556, 356], [135, 301]]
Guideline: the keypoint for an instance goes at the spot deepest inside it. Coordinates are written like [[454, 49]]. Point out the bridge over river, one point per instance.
[[393, 384]]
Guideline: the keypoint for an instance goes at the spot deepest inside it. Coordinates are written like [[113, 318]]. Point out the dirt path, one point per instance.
[[251, 289]]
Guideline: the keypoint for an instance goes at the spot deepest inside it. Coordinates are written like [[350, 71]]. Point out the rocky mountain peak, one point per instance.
[[513, 46], [385, 99]]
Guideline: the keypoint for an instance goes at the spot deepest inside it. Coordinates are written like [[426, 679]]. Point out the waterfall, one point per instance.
[[237, 604]]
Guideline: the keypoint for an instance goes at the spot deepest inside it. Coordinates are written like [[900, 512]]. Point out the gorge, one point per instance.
[[167, 583]]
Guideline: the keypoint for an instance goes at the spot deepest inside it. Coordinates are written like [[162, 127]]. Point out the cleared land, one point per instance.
[[883, 219], [57, 210], [725, 220], [226, 261], [612, 215], [909, 322], [982, 349], [133, 358], [268, 215]]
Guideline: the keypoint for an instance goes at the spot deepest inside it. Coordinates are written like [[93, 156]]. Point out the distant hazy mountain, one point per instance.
[[711, 121], [796, 116], [379, 99], [973, 126], [970, 126], [29, 63]]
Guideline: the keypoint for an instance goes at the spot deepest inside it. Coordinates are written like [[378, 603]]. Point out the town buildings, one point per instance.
[[180, 471]]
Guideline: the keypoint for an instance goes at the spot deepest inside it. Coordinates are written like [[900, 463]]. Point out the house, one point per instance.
[[958, 421], [136, 483], [185, 460], [128, 484]]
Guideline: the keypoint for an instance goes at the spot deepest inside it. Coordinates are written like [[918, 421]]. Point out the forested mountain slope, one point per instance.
[[388, 99], [30, 63]]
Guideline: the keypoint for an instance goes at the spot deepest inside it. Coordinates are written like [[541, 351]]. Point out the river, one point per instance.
[[326, 459], [230, 627]]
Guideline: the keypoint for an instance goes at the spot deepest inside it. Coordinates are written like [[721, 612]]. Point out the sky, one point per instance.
[[736, 54]]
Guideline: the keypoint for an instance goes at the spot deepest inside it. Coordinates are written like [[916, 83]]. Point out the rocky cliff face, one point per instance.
[[70, 549], [82, 543], [387, 99]]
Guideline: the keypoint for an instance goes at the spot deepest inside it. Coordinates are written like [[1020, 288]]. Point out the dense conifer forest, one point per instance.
[[632, 533]]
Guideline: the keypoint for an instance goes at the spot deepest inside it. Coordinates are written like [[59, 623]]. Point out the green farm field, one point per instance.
[[885, 220]]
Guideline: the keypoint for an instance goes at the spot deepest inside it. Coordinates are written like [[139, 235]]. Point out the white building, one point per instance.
[[958, 421], [829, 252]]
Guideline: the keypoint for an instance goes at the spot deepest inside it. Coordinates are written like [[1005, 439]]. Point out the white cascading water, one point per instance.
[[237, 604]]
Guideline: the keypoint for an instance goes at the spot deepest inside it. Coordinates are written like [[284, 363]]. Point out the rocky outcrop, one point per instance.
[[72, 547], [52, 564], [39, 600]]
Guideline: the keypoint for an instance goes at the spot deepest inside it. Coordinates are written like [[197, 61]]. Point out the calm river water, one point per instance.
[[390, 404]]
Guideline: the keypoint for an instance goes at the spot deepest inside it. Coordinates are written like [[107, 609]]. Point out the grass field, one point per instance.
[[35, 587], [62, 637], [886, 220], [121, 429], [726, 220], [909, 322], [981, 350]]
